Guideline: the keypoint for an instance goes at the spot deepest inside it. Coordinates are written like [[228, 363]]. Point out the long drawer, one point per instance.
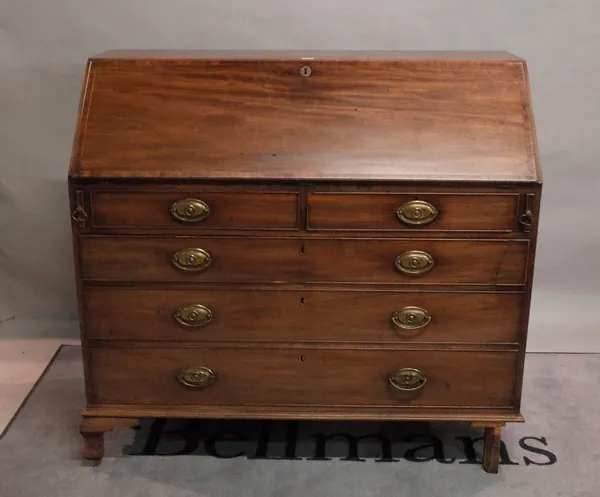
[[312, 260], [301, 377], [301, 315]]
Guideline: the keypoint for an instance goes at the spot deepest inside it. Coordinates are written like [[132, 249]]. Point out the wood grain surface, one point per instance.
[[151, 210], [487, 415], [371, 212], [291, 260], [263, 376], [386, 120], [301, 315]]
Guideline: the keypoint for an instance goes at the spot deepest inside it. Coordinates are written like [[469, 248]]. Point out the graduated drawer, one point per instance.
[[293, 260], [301, 315], [301, 377], [194, 210], [393, 212]]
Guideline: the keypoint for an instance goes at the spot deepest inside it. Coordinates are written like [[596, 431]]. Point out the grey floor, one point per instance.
[[556, 453]]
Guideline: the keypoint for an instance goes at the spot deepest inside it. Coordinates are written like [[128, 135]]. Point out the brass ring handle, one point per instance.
[[190, 210], [407, 379], [192, 259], [411, 318], [416, 212], [79, 215], [414, 262], [196, 377], [193, 316]]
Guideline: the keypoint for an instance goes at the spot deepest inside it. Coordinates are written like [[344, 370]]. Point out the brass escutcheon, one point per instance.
[[416, 212], [407, 379], [411, 318], [190, 210], [305, 71], [196, 377], [193, 316], [192, 259], [414, 262]]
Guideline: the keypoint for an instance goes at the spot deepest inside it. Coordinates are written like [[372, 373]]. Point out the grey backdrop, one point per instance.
[[44, 46]]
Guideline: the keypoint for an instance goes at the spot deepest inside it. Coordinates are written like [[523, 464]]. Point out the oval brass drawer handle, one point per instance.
[[193, 316], [411, 318], [190, 210], [416, 212], [192, 259], [414, 262], [196, 377], [407, 379]]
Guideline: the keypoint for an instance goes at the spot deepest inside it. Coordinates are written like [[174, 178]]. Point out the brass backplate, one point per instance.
[[192, 259], [408, 379], [196, 377], [414, 262], [190, 210], [416, 212], [411, 318], [193, 316]]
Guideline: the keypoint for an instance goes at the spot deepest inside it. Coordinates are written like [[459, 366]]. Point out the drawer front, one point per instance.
[[299, 261], [396, 212], [307, 315], [194, 210], [301, 376], [438, 261], [231, 259]]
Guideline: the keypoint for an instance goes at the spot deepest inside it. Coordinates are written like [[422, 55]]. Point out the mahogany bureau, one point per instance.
[[327, 235]]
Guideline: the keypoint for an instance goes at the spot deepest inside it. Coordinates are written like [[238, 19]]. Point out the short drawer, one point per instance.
[[194, 210], [302, 377], [301, 315], [209, 259], [397, 212], [293, 260]]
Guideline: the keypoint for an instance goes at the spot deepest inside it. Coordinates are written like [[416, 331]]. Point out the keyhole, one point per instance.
[[305, 71], [301, 358], [302, 249], [301, 300]]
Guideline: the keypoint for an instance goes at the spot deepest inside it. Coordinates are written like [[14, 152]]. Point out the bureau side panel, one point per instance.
[[530, 201], [79, 209]]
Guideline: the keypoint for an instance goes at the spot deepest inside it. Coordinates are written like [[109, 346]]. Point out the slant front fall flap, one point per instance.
[[330, 117]]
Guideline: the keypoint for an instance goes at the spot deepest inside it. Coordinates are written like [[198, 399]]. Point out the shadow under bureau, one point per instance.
[[333, 235]]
